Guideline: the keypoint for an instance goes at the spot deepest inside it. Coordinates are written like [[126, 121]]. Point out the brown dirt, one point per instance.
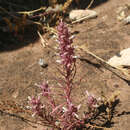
[[104, 36]]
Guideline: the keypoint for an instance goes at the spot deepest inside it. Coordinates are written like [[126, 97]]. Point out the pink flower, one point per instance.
[[66, 49], [45, 89], [37, 106], [91, 101], [70, 112]]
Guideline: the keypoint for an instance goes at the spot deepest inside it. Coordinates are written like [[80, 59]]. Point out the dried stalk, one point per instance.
[[67, 4], [31, 12], [83, 18], [43, 42], [28, 22], [90, 4], [117, 71]]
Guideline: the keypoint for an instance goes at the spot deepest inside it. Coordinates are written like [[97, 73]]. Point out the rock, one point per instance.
[[121, 59], [122, 8], [121, 16], [119, 10], [126, 20], [42, 63], [15, 94], [78, 14]]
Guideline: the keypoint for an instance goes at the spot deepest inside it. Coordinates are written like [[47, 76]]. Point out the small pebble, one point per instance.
[[127, 20], [42, 63]]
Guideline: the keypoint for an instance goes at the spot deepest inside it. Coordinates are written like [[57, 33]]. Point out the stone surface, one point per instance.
[[42, 63], [127, 20], [78, 14], [121, 59], [121, 16]]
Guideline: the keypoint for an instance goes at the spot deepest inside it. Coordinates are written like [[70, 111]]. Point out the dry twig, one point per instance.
[[90, 4], [33, 11], [43, 42], [28, 22], [117, 71]]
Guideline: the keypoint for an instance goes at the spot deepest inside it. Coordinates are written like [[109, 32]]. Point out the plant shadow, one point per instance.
[[102, 117], [82, 4], [10, 42]]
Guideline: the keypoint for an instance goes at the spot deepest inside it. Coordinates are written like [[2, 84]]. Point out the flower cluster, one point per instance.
[[46, 92], [92, 102], [66, 49], [45, 89], [64, 116], [37, 106], [71, 111], [70, 116], [67, 58]]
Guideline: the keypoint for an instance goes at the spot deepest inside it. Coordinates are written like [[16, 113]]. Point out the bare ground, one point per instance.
[[104, 36]]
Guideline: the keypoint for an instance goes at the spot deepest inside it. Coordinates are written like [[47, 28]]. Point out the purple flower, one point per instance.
[[70, 112], [66, 49], [72, 108], [91, 101], [37, 106], [45, 89]]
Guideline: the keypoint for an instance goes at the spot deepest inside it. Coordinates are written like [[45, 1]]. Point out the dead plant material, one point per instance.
[[16, 22], [89, 6], [117, 71], [67, 4], [32, 12], [43, 42], [84, 18], [13, 107], [110, 102], [13, 15]]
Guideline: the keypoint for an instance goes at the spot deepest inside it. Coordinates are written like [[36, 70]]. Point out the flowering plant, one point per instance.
[[64, 116]]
